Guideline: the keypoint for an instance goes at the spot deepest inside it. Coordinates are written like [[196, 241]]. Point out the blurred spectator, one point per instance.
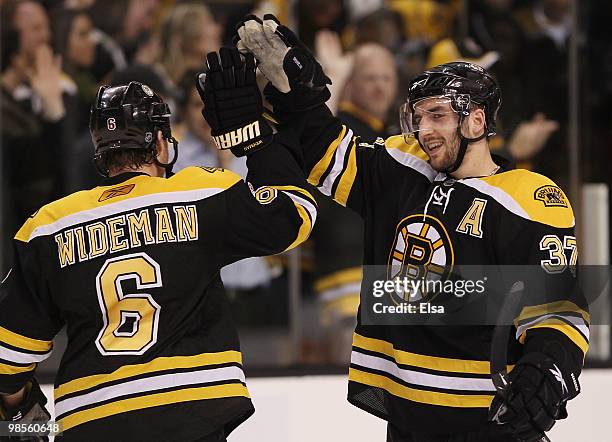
[[337, 64], [196, 143], [316, 15], [370, 92], [33, 112], [108, 56], [547, 25], [360, 8], [429, 20], [383, 26], [73, 41], [187, 34], [128, 22]]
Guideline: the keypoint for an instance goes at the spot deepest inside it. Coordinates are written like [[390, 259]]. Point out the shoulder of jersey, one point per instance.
[[529, 195], [409, 153], [202, 177], [190, 184]]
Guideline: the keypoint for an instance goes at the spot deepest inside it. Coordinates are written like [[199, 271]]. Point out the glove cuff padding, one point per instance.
[[297, 101], [245, 139], [557, 346], [32, 407], [565, 384]]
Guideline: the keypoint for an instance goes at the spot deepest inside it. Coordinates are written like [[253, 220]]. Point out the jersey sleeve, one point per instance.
[[351, 170], [554, 318], [28, 320], [273, 211]]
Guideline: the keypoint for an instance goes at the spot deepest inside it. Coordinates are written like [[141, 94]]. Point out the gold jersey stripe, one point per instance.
[[422, 396], [422, 361], [13, 369], [23, 342], [319, 169], [553, 307], [341, 277], [157, 364], [190, 178], [569, 331], [153, 400], [305, 228], [347, 177]]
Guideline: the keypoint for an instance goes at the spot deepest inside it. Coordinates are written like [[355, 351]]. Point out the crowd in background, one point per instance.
[[56, 53]]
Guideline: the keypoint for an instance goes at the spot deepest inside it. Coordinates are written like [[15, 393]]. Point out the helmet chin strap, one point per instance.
[[463, 145], [170, 165]]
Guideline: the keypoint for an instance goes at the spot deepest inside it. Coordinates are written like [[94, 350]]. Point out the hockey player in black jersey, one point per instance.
[[433, 198], [132, 269]]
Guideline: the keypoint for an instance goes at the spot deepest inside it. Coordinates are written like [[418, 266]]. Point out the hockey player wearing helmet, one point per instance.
[[131, 267], [130, 129], [434, 199], [451, 109]]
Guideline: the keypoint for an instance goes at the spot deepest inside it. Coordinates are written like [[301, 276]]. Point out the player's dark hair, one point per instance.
[[126, 159]]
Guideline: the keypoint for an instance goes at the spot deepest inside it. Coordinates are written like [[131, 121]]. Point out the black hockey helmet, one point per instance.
[[463, 84], [128, 117]]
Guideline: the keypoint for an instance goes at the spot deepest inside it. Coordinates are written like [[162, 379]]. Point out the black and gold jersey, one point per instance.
[[132, 269], [438, 376]]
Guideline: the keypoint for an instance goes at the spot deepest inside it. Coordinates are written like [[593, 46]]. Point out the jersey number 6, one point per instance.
[[130, 319]]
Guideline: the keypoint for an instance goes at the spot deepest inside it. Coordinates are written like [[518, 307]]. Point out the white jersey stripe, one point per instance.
[[577, 322], [422, 379], [123, 206], [21, 358], [149, 384], [339, 155], [413, 162], [312, 210], [497, 194]]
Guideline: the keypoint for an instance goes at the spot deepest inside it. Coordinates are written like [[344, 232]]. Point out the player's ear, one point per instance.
[[161, 145], [477, 123]]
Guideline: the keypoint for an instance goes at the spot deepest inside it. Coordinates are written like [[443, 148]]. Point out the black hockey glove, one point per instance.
[[233, 104], [297, 81], [30, 410], [535, 399]]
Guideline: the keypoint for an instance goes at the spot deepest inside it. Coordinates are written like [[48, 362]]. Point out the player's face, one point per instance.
[[436, 129]]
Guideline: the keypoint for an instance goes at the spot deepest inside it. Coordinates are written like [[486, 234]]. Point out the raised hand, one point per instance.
[[45, 79], [298, 82], [233, 104]]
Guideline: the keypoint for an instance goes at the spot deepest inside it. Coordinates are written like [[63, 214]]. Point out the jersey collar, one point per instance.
[[111, 181]]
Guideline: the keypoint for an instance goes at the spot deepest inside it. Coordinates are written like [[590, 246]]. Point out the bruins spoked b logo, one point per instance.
[[422, 250]]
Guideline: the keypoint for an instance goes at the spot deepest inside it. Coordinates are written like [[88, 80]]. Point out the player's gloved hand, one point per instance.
[[31, 409], [537, 393], [233, 105], [297, 81]]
